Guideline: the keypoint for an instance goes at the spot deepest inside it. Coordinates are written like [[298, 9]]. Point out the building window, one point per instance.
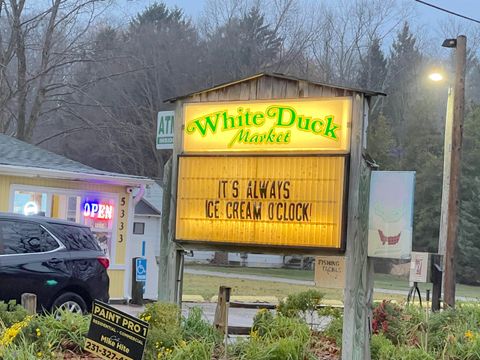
[[139, 228], [97, 210], [30, 203]]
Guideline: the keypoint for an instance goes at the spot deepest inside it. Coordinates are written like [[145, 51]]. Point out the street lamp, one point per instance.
[[435, 76], [451, 207]]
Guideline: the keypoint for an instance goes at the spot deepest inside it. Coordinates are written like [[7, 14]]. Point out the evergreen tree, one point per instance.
[[160, 16], [381, 142], [423, 153], [403, 69], [374, 67], [243, 46], [468, 250]]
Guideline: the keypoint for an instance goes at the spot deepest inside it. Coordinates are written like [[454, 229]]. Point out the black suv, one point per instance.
[[59, 261]]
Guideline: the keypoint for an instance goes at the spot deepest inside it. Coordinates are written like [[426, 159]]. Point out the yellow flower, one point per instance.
[[38, 332], [469, 335], [39, 354], [147, 318], [11, 332]]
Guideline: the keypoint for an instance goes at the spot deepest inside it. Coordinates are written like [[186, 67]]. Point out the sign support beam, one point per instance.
[[166, 268], [359, 269]]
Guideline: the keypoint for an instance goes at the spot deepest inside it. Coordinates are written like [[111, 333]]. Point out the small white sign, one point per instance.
[[165, 121], [330, 272], [419, 267], [390, 218]]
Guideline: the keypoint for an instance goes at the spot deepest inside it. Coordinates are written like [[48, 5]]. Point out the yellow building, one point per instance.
[[36, 181]]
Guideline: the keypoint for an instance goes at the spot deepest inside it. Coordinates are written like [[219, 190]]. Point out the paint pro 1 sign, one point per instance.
[[114, 334]]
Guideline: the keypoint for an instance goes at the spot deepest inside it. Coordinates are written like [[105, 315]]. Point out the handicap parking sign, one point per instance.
[[141, 269]]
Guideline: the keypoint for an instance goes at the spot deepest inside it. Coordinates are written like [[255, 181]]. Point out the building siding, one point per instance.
[[117, 279]]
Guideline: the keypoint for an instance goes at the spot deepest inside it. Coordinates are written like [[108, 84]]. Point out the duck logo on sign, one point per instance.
[[99, 211]]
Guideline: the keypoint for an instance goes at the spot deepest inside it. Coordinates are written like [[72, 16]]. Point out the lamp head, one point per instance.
[[435, 76], [450, 43]]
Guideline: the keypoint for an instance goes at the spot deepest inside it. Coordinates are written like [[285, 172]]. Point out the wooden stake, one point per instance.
[[29, 302]]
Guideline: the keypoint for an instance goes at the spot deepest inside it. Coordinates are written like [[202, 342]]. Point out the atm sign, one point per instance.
[[98, 211]]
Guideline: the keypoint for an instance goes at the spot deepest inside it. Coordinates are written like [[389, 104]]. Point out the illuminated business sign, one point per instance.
[[165, 130], [291, 201], [264, 126], [99, 211]]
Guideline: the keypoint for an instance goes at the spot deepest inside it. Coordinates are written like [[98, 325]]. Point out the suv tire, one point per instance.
[[71, 302]]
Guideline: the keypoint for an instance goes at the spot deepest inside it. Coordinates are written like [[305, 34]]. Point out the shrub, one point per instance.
[[286, 328], [283, 338], [11, 334], [23, 350], [301, 303], [193, 350], [164, 329], [381, 348], [261, 349], [261, 321], [11, 313], [194, 326], [334, 330], [387, 319], [50, 333]]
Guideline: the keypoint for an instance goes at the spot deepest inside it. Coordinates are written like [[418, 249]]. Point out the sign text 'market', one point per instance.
[[281, 117]]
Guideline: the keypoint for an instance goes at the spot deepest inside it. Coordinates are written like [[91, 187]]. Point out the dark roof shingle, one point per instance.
[[18, 153]]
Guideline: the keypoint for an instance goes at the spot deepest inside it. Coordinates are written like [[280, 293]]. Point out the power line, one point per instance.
[[448, 11]]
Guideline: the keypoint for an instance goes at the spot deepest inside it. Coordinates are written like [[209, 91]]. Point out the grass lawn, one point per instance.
[[382, 281], [207, 286], [281, 273]]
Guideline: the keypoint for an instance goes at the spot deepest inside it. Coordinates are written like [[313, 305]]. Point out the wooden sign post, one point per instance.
[[274, 164]]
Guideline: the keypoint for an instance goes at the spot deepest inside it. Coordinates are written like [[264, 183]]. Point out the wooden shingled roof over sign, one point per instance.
[[270, 86]]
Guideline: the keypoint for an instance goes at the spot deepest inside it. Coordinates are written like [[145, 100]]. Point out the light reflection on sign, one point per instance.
[[291, 201], [98, 211], [30, 208]]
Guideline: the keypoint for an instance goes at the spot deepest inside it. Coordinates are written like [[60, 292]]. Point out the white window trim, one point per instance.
[[74, 192]]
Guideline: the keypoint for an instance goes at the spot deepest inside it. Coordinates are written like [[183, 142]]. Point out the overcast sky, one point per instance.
[[427, 14], [425, 20]]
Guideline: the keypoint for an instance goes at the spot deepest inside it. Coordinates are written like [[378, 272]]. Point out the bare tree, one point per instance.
[[38, 48], [349, 27]]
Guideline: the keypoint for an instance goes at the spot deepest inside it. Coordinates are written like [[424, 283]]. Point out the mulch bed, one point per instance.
[[324, 348]]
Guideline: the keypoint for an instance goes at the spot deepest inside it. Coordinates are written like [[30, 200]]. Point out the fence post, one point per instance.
[[29, 302]]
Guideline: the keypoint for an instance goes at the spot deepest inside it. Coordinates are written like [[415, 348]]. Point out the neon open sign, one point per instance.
[[98, 211]]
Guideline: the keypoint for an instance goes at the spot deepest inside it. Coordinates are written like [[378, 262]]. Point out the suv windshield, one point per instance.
[[75, 237]]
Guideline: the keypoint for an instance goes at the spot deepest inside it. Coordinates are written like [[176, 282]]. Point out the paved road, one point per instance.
[[236, 316]]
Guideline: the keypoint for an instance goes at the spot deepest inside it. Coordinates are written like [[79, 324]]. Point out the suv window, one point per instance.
[[75, 237], [21, 237]]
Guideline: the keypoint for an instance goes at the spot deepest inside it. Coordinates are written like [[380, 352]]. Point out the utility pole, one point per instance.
[[460, 44], [447, 155]]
